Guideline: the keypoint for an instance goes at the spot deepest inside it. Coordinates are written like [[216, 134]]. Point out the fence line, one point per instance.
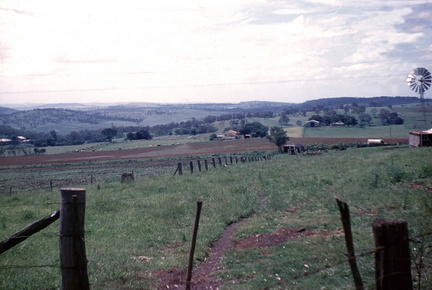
[[279, 283], [50, 184]]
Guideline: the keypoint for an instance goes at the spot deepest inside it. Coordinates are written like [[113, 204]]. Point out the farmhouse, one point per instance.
[[420, 138], [5, 141], [230, 134], [313, 123]]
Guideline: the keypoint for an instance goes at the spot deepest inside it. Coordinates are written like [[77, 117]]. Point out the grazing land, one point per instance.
[[77, 168], [266, 223], [285, 231]]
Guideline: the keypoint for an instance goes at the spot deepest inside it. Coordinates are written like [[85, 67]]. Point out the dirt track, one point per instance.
[[192, 149]]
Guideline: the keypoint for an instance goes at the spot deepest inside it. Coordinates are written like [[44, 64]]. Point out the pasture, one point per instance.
[[287, 226]]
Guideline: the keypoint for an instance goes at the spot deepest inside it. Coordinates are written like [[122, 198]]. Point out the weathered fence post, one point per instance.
[[51, 185], [193, 243], [29, 230], [191, 166], [392, 262], [214, 163], [73, 260], [220, 161], [199, 165], [206, 164], [127, 177], [231, 160], [180, 168], [346, 222]]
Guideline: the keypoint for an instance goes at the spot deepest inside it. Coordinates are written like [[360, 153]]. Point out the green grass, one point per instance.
[[153, 219], [393, 131], [124, 145]]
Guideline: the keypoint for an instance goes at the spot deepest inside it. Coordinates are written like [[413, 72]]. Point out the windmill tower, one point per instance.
[[420, 80]]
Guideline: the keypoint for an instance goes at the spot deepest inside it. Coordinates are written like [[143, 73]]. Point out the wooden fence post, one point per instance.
[[199, 165], [206, 164], [346, 222], [193, 243], [392, 262], [214, 163], [73, 260], [29, 230], [179, 169], [220, 161], [191, 166]]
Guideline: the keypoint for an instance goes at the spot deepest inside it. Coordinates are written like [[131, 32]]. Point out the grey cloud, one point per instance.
[[418, 21]]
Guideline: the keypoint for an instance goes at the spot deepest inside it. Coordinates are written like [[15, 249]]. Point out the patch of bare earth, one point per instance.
[[204, 276]]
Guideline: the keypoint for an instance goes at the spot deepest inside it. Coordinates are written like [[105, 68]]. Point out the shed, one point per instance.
[[420, 138], [375, 142], [294, 149], [338, 124], [313, 123]]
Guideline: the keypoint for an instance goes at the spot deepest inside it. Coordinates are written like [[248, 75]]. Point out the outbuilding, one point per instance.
[[313, 123], [420, 138], [376, 142], [294, 149]]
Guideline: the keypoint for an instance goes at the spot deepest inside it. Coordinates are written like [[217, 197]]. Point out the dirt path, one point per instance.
[[205, 275]]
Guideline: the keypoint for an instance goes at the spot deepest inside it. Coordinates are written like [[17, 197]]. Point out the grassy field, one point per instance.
[[134, 231]]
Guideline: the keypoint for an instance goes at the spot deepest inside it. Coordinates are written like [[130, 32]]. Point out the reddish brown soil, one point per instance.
[[221, 147], [205, 275]]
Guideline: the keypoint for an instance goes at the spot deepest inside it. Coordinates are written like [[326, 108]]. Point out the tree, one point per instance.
[[110, 133], [143, 134], [255, 129], [278, 136], [365, 118], [284, 119]]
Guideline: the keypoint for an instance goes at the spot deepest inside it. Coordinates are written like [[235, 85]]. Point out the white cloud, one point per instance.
[[165, 48]]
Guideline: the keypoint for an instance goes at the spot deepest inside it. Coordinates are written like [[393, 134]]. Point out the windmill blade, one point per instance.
[[419, 80]]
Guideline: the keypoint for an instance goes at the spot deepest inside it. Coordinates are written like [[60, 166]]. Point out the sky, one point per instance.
[[203, 51]]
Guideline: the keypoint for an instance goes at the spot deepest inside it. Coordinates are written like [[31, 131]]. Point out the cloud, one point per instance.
[[166, 48]]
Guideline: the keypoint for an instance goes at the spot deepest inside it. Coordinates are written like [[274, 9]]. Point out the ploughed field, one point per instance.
[[23, 173], [190, 149]]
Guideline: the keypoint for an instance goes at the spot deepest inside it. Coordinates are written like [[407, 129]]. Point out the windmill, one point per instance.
[[420, 80]]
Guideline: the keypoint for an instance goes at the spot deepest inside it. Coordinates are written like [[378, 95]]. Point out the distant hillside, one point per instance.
[[368, 102], [62, 120], [7, 111]]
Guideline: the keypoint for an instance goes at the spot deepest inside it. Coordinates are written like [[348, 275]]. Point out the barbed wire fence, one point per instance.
[[99, 173], [420, 252]]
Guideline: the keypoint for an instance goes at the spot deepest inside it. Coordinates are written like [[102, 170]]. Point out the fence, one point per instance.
[[61, 175], [392, 254]]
